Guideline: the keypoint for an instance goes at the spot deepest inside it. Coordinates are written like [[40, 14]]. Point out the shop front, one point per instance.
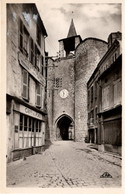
[[27, 134]]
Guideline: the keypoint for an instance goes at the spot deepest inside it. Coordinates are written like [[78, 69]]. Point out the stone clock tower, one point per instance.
[[67, 85], [60, 89]]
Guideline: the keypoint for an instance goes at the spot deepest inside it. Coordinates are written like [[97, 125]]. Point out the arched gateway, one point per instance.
[[64, 128]]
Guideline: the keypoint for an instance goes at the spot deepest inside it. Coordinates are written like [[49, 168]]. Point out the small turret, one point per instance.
[[69, 44]]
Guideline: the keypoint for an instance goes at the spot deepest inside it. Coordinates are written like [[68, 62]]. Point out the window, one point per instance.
[[38, 37], [21, 36], [30, 124], [23, 39], [25, 123], [88, 98], [92, 114], [38, 95], [30, 133], [21, 122], [106, 97], [37, 126], [37, 58], [32, 51], [25, 92], [96, 116], [92, 94], [92, 117], [42, 65], [117, 92], [33, 125], [58, 82], [96, 89]]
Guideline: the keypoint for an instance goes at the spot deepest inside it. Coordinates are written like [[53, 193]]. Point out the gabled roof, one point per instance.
[[72, 30]]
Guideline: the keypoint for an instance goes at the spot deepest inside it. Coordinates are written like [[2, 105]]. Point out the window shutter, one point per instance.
[[92, 94], [23, 38], [25, 84], [42, 65], [21, 35], [38, 95], [32, 54]]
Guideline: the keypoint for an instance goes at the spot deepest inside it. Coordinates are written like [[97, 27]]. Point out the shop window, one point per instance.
[[28, 128], [21, 122], [37, 123], [33, 125], [40, 127], [38, 95], [25, 93], [23, 38], [25, 123], [30, 124]]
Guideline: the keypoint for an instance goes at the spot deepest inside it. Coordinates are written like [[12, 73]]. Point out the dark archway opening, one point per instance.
[[64, 129]]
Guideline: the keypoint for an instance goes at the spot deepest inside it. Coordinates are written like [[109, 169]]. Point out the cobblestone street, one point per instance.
[[66, 164]]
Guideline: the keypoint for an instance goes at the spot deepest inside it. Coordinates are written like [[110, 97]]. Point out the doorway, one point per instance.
[[65, 129]]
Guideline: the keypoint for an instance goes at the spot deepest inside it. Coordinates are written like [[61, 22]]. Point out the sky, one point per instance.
[[91, 20]]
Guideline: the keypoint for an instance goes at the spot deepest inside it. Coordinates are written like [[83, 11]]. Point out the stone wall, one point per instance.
[[58, 106], [50, 78], [88, 54], [15, 12]]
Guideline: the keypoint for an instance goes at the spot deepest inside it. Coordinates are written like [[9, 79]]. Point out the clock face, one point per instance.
[[63, 93]]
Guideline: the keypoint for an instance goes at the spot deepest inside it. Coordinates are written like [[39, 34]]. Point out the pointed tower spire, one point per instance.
[[72, 30]]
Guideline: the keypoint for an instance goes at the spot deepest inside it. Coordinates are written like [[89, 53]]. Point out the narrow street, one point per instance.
[[66, 164]]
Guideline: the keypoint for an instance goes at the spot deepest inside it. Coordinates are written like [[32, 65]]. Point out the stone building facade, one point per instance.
[[104, 99], [67, 85], [26, 112]]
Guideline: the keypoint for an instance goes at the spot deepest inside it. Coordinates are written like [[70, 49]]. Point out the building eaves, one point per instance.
[[36, 12], [70, 37], [113, 65], [115, 43]]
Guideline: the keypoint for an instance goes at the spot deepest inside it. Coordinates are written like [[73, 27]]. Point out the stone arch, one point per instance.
[[64, 128]]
